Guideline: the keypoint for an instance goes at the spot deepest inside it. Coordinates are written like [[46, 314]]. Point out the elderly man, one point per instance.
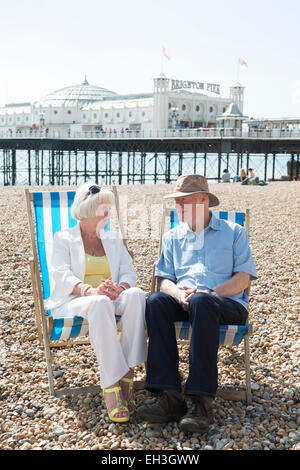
[[204, 268]]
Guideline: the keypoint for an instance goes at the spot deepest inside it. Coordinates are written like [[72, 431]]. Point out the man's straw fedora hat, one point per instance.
[[193, 184]]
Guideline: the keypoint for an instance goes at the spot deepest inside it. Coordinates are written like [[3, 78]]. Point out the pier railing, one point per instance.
[[208, 133]]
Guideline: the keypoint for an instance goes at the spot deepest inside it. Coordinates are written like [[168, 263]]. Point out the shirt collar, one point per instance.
[[214, 224]]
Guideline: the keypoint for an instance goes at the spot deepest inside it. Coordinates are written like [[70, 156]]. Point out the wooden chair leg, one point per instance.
[[153, 280], [36, 304], [248, 372], [48, 362], [48, 355]]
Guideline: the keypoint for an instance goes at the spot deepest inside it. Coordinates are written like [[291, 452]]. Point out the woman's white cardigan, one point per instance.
[[68, 263]]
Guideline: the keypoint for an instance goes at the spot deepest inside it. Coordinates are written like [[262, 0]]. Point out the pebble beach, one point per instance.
[[31, 419]]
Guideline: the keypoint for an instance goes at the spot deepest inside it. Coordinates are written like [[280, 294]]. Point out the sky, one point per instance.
[[117, 44]]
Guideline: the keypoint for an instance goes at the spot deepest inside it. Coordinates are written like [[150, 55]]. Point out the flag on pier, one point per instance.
[[242, 62], [165, 54]]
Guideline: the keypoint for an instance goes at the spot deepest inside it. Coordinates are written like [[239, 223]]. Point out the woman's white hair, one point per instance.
[[85, 205]]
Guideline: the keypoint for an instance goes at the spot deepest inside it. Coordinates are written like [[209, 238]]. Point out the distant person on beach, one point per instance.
[[243, 175], [226, 176], [251, 178], [204, 268], [93, 277]]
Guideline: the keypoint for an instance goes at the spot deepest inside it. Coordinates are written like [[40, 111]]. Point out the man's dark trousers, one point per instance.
[[206, 313]]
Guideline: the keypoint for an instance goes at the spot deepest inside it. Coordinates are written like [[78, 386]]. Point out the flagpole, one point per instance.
[[162, 62], [237, 72]]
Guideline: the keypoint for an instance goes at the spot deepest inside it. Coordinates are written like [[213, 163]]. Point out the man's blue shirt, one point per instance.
[[208, 259]]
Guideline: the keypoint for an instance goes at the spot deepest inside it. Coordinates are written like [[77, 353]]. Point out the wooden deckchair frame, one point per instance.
[[227, 394], [45, 322]]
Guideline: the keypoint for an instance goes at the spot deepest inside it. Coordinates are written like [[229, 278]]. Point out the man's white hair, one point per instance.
[[85, 205]]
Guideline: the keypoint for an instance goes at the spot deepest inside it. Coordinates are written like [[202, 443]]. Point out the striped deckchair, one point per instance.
[[51, 214], [230, 335]]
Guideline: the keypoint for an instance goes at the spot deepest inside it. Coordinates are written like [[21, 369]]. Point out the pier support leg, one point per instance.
[[219, 166], [273, 167], [266, 167], [69, 168], [52, 168], [180, 164], [292, 168], [76, 167], [29, 168], [128, 167], [85, 168], [168, 168], [13, 167], [120, 168], [195, 163]]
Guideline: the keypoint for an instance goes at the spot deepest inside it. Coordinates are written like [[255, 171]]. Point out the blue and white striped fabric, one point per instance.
[[52, 213], [67, 328], [230, 335]]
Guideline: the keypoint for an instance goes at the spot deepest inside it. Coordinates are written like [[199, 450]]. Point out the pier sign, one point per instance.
[[179, 84]]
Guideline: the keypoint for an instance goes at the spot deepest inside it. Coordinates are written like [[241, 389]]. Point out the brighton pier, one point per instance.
[[140, 157]]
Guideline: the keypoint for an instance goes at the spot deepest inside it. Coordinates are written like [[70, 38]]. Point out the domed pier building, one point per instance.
[[85, 107]]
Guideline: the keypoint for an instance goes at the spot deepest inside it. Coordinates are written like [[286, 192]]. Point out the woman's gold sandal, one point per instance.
[[120, 406], [130, 403]]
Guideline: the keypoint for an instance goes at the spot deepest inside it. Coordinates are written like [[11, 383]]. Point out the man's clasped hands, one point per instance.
[[186, 294]]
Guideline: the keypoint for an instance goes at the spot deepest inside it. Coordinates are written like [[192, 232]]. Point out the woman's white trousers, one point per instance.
[[115, 356]]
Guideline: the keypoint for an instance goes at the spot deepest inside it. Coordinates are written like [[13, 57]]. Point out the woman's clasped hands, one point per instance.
[[107, 287]]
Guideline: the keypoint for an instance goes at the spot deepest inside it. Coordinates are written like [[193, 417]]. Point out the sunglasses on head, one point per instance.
[[93, 190]]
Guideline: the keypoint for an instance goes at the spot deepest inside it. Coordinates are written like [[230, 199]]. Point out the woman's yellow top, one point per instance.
[[97, 268]]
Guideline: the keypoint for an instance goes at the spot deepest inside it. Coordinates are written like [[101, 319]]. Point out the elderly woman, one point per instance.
[[93, 277]]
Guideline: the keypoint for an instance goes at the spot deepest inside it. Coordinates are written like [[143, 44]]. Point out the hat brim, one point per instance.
[[213, 200]]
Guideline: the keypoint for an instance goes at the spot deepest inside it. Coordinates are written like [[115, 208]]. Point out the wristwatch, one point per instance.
[[122, 286], [212, 292]]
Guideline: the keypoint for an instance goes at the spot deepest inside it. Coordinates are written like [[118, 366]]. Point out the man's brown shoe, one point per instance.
[[199, 417], [169, 406]]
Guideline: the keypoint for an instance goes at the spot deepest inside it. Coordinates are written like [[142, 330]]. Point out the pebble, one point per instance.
[[220, 444], [57, 374], [254, 386], [58, 430], [49, 412], [115, 445], [31, 419]]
